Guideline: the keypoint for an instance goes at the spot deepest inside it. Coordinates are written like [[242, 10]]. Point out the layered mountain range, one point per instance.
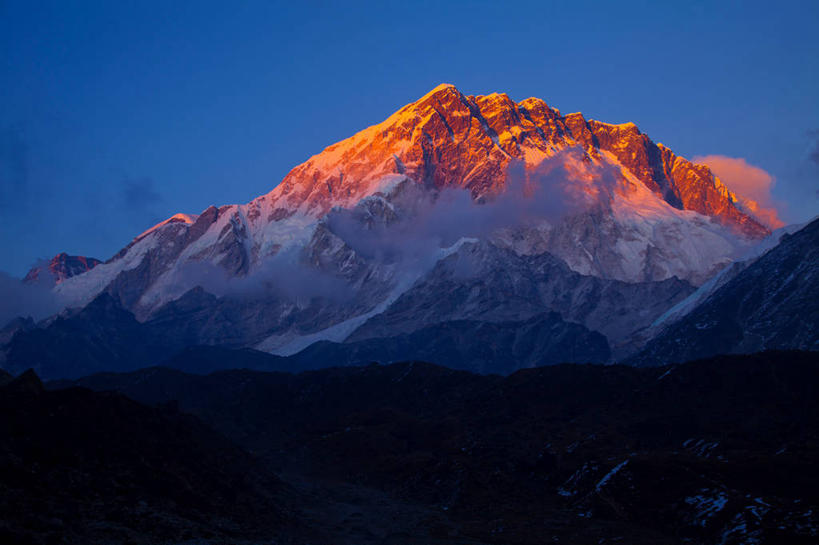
[[457, 214]]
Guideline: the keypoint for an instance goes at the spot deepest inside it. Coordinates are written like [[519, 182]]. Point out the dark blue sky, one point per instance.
[[116, 115]]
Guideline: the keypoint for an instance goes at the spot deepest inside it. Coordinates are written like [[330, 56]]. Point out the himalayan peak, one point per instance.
[[647, 215]]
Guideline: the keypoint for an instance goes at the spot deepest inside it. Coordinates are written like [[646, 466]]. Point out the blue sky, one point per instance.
[[116, 115]]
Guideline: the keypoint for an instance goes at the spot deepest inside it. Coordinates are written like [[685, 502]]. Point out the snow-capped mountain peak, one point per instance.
[[604, 198]]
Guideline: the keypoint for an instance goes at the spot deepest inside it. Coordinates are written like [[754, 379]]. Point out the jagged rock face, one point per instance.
[[447, 139], [60, 267], [770, 304]]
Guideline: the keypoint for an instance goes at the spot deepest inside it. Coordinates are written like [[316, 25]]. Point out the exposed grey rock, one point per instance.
[[482, 282]]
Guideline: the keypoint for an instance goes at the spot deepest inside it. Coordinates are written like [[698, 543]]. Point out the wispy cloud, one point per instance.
[[813, 152], [751, 184], [35, 300], [14, 167], [139, 194], [438, 220], [282, 276]]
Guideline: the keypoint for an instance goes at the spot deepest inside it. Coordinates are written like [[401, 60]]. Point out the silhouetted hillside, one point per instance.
[[78, 466], [716, 451]]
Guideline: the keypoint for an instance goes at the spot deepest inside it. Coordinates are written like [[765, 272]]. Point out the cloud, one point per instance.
[[751, 184], [139, 194], [282, 276], [813, 153], [434, 220], [138, 203], [430, 222], [35, 300]]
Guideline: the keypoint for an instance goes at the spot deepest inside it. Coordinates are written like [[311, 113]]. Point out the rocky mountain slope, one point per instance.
[[484, 282], [103, 336], [473, 345], [627, 197], [771, 304]]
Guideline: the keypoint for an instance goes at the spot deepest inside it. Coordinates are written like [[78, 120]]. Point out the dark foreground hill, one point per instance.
[[78, 466], [723, 450]]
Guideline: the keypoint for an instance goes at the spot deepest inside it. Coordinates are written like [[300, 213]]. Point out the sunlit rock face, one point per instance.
[[350, 230], [447, 139]]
